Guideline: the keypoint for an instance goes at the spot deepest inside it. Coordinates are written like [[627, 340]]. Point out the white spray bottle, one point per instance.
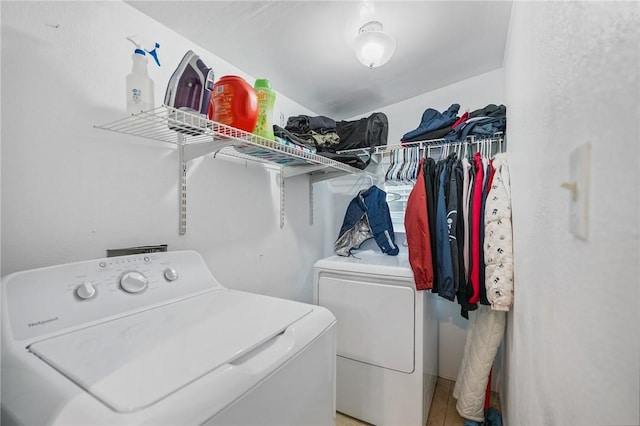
[[139, 85]]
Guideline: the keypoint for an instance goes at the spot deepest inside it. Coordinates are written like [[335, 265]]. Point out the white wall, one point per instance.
[[471, 94], [70, 191], [572, 352], [1, 304]]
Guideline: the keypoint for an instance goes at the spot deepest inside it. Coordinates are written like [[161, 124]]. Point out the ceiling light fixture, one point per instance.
[[373, 46]]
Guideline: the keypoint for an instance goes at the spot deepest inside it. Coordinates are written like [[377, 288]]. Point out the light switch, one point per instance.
[[579, 171]]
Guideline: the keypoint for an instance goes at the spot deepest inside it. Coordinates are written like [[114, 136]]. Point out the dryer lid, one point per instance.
[[133, 362], [369, 262]]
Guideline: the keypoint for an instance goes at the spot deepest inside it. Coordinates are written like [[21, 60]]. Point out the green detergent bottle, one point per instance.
[[266, 101]]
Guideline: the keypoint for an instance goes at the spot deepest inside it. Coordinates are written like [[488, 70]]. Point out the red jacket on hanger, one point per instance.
[[416, 225], [476, 213]]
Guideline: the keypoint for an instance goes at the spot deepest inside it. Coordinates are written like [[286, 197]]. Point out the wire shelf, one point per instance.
[[168, 124], [496, 138]]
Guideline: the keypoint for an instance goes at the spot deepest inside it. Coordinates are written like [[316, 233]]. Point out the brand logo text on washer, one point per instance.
[[43, 322]]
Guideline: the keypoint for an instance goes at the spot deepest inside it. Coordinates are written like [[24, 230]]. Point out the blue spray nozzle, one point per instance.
[[154, 53], [143, 46]]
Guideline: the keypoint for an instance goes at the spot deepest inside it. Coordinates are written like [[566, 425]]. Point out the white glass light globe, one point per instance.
[[374, 47]]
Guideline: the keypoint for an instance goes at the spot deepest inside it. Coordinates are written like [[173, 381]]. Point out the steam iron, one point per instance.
[[189, 90]]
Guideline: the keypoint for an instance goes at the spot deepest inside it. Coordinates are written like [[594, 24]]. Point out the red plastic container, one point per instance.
[[234, 103]]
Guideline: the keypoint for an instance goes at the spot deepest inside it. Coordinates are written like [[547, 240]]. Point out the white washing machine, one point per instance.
[[387, 351], [155, 339]]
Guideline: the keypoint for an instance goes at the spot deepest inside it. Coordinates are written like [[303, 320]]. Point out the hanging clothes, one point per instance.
[[445, 286], [464, 301], [485, 190], [416, 225], [476, 212], [446, 216], [498, 244], [486, 328], [461, 175], [453, 204], [367, 217], [460, 210], [430, 188]]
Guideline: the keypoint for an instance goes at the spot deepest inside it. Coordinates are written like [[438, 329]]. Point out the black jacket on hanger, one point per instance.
[[429, 182]]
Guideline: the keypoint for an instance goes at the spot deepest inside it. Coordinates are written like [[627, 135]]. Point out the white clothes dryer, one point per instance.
[[387, 350], [155, 339]]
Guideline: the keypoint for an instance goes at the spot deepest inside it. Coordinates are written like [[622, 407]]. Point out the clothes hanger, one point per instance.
[[406, 172], [399, 166], [357, 186], [416, 165], [396, 163], [403, 169], [387, 176]]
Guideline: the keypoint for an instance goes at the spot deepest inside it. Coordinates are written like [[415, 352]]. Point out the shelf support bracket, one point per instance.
[[310, 201], [281, 176], [195, 150], [300, 170], [320, 176], [182, 187]]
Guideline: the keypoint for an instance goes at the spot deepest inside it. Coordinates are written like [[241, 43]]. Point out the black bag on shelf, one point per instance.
[[365, 133]]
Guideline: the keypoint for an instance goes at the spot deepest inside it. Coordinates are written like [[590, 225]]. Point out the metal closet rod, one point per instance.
[[440, 143]]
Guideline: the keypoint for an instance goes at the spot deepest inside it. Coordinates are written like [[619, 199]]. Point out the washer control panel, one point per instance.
[[46, 300]]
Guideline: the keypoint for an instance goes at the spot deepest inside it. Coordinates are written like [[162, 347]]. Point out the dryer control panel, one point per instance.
[[48, 300]]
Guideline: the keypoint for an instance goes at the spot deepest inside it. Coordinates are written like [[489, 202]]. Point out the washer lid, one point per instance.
[[369, 262], [133, 362]]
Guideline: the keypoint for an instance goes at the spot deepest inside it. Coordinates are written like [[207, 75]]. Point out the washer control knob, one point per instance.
[[170, 274], [86, 290], [133, 282]]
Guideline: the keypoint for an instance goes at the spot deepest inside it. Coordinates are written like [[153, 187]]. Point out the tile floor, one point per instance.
[[443, 408]]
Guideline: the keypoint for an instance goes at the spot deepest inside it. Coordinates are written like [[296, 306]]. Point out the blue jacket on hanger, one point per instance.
[[445, 284], [367, 217]]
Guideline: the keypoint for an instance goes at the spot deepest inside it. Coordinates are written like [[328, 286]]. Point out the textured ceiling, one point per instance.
[[305, 47]]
